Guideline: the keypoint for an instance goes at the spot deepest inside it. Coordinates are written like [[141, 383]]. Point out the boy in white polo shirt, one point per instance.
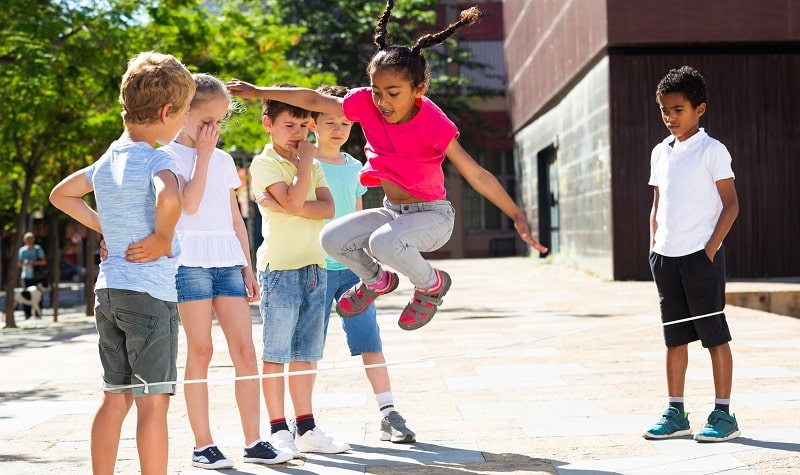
[[694, 207]]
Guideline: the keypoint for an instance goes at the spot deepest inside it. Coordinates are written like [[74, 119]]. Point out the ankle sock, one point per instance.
[[437, 286], [677, 403], [305, 423], [723, 405], [385, 402], [382, 283], [277, 425]]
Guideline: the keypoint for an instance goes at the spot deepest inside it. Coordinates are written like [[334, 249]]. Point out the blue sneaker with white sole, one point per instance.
[[720, 427], [671, 424]]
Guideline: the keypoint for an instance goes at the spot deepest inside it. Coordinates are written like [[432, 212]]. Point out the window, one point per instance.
[[479, 213]]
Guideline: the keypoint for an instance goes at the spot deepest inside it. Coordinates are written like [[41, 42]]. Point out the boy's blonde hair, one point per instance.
[[151, 81]]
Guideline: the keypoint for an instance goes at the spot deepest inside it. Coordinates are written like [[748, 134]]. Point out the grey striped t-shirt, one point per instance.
[[123, 188]]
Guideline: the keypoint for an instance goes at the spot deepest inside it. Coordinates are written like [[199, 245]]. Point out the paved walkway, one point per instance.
[[528, 368]]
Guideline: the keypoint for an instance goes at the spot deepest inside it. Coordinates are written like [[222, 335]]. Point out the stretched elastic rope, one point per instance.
[[489, 351]]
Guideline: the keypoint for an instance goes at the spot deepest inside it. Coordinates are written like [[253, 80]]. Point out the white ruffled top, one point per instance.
[[207, 237]]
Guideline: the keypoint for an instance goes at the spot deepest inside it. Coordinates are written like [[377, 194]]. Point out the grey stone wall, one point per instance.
[[578, 125]]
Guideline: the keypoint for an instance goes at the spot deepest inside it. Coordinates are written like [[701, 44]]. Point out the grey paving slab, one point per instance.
[[726, 464], [539, 370]]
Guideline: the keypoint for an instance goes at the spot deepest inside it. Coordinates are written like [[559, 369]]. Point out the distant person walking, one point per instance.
[[29, 257]]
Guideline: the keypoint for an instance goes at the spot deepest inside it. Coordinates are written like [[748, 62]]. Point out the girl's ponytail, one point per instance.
[[380, 30], [466, 17]]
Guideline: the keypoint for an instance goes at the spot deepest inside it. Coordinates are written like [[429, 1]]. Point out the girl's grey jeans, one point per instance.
[[395, 234]]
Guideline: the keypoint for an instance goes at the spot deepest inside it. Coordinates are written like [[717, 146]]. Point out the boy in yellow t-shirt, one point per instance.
[[294, 201]]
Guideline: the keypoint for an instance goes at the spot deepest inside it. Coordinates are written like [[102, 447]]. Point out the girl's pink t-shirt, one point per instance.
[[409, 155]]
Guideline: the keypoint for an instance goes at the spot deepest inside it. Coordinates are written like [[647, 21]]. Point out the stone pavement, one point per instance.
[[528, 368]]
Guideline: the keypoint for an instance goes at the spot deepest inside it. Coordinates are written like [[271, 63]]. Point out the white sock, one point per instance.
[[385, 402]]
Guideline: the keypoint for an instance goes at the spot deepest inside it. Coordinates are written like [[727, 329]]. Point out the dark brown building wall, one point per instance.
[[548, 43], [633, 22], [752, 109]]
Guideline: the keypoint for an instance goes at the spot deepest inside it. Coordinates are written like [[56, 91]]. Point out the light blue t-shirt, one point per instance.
[[345, 187], [123, 188], [26, 254]]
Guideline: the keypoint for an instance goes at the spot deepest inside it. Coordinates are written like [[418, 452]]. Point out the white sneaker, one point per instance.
[[283, 441], [316, 441]]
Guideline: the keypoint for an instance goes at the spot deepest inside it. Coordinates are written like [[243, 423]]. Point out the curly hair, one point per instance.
[[409, 60], [685, 80]]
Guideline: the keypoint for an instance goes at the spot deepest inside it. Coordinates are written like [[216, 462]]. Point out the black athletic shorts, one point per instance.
[[690, 286]]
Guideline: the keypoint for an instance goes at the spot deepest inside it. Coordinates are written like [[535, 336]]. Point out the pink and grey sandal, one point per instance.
[[423, 305], [358, 297]]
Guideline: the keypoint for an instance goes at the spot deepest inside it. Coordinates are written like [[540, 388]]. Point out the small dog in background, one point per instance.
[[32, 296]]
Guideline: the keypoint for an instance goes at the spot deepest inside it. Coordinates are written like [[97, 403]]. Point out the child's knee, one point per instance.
[[383, 246]]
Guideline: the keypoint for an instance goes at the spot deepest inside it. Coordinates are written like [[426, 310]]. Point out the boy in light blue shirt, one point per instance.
[[137, 191]]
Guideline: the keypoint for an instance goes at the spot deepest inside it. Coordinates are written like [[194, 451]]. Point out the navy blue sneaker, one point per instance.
[[264, 452], [211, 458]]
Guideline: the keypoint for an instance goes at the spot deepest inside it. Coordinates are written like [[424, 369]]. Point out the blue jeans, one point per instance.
[[362, 332], [395, 234], [293, 309]]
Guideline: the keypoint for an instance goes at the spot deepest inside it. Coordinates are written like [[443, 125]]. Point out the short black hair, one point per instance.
[[685, 80], [272, 108]]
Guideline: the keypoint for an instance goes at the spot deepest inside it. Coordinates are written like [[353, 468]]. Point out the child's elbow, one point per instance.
[[190, 208], [54, 198], [735, 208], [169, 199]]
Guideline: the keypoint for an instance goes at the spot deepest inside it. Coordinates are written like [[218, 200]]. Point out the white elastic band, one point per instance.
[[380, 365]]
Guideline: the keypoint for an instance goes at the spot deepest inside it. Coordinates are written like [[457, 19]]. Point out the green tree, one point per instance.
[[59, 62], [62, 62], [239, 39]]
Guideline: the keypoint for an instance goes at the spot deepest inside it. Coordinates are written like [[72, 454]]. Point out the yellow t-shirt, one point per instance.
[[290, 242]]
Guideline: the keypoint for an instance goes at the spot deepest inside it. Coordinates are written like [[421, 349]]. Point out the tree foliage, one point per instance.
[[62, 61], [59, 68]]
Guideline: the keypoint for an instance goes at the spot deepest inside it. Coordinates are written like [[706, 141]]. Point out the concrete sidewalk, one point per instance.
[[527, 368]]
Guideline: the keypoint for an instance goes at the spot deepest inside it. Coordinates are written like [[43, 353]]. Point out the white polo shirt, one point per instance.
[[689, 204]]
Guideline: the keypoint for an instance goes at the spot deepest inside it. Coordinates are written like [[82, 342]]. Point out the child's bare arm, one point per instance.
[[308, 99], [487, 185], [293, 197], [730, 209], [68, 195], [250, 282], [168, 211], [653, 222], [321, 208], [207, 138]]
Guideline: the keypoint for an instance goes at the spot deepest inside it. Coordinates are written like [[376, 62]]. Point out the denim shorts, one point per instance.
[[293, 310], [362, 332], [138, 341], [201, 283]]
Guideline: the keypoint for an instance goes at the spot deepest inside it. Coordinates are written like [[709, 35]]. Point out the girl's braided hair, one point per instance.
[[409, 61]]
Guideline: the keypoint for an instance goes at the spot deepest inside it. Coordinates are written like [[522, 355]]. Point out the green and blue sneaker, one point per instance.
[[671, 424], [720, 427]]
